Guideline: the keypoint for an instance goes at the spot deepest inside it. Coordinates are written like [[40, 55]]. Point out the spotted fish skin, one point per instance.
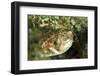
[[57, 44]]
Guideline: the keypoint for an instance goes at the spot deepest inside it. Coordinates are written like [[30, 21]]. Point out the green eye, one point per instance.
[[55, 42]]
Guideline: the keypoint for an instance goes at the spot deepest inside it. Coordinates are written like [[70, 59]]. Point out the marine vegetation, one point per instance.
[[57, 37]]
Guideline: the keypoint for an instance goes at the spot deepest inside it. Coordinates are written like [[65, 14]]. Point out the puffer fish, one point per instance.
[[63, 40]]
